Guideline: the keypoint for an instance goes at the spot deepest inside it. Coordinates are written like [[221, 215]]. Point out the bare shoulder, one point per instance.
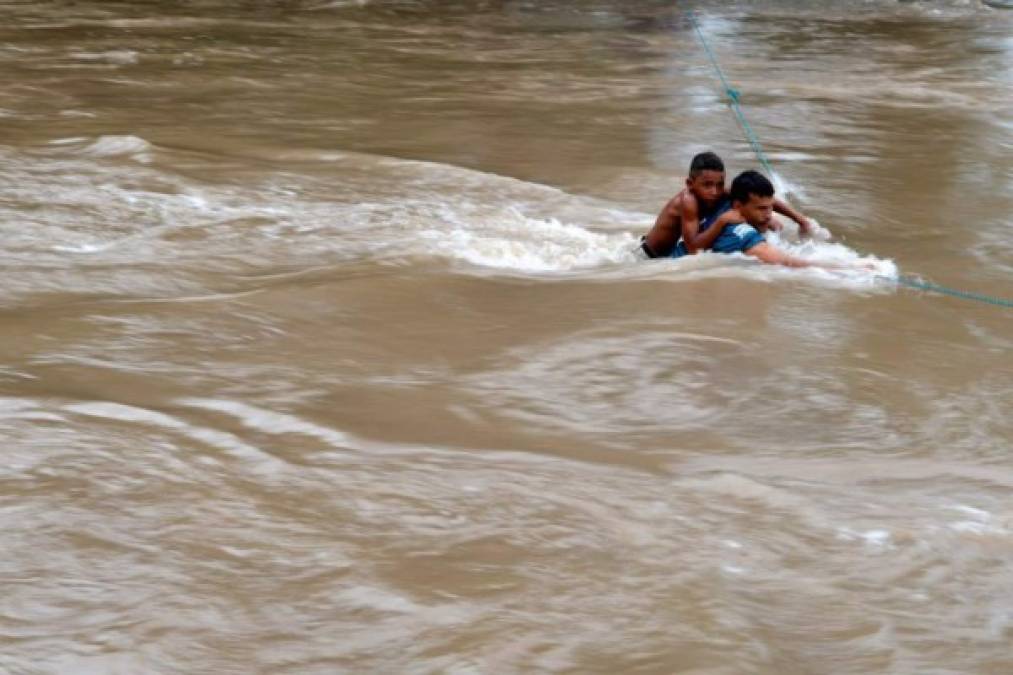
[[673, 209], [686, 202]]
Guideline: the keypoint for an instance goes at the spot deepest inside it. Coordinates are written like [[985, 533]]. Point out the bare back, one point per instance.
[[663, 237]]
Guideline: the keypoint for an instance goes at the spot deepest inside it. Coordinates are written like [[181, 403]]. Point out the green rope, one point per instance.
[[914, 282], [733, 97], [754, 142]]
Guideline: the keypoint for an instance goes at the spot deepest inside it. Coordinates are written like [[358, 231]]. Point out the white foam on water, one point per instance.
[[512, 242], [82, 248], [508, 241], [119, 146], [106, 146], [340, 4], [259, 461], [818, 249], [497, 225], [269, 421], [977, 522], [120, 57], [871, 538], [377, 599], [792, 156], [69, 141], [398, 211], [786, 188], [975, 513]]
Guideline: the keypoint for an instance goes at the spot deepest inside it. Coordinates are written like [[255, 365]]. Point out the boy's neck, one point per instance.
[[707, 208]]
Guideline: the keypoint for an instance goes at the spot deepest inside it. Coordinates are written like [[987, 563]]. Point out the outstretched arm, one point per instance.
[[770, 254], [804, 226]]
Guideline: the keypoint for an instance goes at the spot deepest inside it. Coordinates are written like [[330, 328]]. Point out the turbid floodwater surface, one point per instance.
[[324, 348]]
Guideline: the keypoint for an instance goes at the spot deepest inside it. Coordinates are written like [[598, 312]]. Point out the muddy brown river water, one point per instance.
[[323, 348]]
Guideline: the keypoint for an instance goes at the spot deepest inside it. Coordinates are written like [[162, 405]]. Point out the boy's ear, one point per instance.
[[689, 181]]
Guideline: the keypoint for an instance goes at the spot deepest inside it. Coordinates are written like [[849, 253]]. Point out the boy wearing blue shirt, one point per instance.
[[738, 229]]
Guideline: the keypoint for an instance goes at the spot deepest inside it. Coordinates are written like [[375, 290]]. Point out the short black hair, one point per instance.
[[705, 161], [750, 183]]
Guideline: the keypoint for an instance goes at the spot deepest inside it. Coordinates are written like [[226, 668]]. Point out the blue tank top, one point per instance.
[[708, 220]]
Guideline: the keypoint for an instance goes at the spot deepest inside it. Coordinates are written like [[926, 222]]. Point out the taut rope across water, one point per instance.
[[734, 98]]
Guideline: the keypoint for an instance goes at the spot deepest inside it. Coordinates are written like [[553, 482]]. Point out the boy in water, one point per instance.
[[738, 230], [692, 211]]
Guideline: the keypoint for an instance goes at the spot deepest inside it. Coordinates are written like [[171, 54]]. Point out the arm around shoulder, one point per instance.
[[700, 241]]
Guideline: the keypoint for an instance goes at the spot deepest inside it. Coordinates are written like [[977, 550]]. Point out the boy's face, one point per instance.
[[758, 211], [707, 186]]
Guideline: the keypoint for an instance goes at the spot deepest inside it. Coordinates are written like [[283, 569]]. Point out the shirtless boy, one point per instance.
[[692, 211]]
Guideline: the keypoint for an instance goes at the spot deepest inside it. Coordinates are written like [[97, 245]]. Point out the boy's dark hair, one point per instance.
[[705, 161], [750, 183]]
